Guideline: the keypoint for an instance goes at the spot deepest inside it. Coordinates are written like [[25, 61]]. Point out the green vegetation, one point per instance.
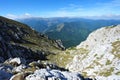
[[61, 59], [72, 48], [106, 72], [23, 35], [95, 55], [99, 57], [71, 33], [65, 57], [109, 27], [90, 67], [118, 73], [42, 44], [84, 74], [108, 62], [97, 63], [10, 22], [116, 48]]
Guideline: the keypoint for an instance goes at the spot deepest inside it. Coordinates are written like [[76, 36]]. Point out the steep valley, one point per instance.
[[26, 54]]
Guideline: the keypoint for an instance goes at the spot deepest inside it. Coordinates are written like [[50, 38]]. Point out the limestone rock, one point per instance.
[[103, 57], [44, 74]]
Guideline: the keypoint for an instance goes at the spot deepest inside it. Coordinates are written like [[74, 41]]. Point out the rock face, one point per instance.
[[45, 74], [103, 58], [19, 40], [36, 70]]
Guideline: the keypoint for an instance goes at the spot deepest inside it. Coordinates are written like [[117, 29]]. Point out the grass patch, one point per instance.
[[72, 48], [65, 57], [61, 59], [108, 62], [118, 73], [84, 74], [95, 55], [109, 27], [116, 49], [106, 72]]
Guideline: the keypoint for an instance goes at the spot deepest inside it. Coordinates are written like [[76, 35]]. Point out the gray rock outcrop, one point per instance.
[[103, 58]]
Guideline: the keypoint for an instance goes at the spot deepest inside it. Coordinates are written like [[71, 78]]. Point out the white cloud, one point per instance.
[[108, 10], [71, 10], [83, 14], [12, 16], [62, 13], [110, 6], [113, 3], [27, 14], [105, 17], [72, 7]]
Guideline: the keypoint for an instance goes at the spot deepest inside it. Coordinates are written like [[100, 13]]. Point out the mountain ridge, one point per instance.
[[50, 26], [19, 40], [103, 53]]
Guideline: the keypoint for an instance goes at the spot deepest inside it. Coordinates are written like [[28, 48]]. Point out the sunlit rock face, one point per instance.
[[103, 58], [45, 74]]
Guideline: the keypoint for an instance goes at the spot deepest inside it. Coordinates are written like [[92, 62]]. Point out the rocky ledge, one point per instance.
[[17, 69]]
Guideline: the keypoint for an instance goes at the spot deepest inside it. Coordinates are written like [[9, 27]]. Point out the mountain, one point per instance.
[[39, 24], [60, 28], [99, 55], [19, 40], [42, 24], [23, 54], [26, 54], [71, 33]]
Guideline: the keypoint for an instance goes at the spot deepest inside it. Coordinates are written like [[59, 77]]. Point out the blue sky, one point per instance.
[[60, 8]]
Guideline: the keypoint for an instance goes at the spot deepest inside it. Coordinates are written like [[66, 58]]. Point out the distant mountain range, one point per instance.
[[71, 31]]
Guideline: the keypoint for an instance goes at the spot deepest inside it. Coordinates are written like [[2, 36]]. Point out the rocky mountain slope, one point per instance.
[[19, 40], [99, 55], [23, 54]]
